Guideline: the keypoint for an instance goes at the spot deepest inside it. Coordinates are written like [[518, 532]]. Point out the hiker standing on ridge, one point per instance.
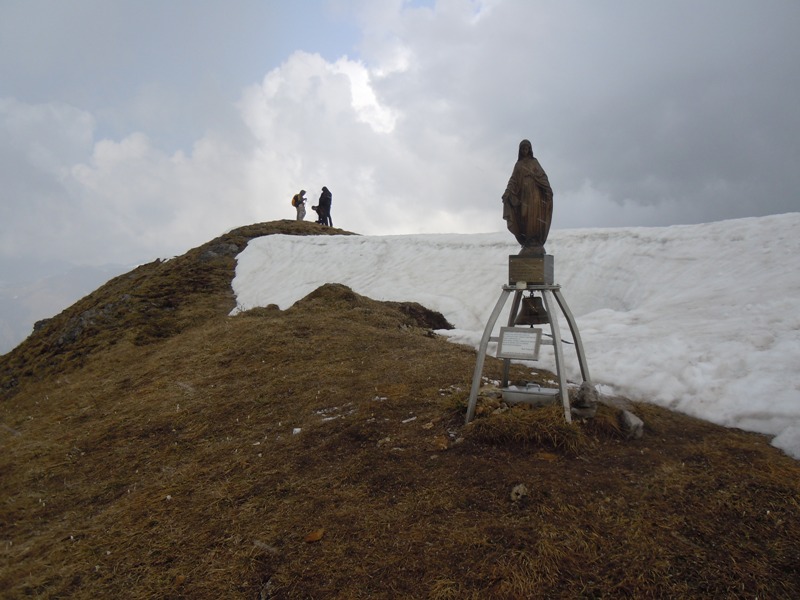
[[325, 201], [299, 202]]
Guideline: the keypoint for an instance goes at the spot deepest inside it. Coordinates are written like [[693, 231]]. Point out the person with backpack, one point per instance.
[[299, 202], [324, 212]]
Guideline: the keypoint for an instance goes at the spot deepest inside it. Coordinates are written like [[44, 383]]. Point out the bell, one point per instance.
[[532, 312]]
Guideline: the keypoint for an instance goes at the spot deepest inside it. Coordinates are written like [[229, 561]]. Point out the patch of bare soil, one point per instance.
[[320, 452]]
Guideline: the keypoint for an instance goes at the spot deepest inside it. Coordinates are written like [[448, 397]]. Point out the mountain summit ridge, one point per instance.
[[167, 449], [151, 302]]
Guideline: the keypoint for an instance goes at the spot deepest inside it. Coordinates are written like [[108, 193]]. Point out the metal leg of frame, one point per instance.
[[559, 354], [487, 333], [576, 336], [511, 318]]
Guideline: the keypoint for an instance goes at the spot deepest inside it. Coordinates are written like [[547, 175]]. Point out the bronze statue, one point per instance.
[[528, 202]]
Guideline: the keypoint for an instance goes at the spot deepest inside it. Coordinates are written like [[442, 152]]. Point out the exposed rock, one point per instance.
[[632, 425], [39, 325], [584, 402], [518, 492], [583, 413], [219, 249], [491, 393], [425, 317], [103, 316]]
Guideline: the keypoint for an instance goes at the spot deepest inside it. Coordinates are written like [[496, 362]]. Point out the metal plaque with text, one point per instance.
[[522, 343], [536, 270]]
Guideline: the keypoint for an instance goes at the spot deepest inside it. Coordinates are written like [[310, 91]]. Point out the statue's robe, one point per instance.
[[528, 203]]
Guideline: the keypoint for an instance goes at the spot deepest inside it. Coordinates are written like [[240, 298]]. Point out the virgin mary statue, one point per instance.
[[528, 202]]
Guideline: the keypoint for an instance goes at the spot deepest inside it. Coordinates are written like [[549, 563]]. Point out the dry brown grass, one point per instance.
[[152, 462]]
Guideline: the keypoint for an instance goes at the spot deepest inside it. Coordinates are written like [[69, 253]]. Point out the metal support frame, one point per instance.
[[549, 293]]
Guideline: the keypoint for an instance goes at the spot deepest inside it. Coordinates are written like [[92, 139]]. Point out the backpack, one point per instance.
[[294, 200]]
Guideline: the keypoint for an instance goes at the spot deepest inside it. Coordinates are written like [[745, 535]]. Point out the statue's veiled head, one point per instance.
[[525, 150]]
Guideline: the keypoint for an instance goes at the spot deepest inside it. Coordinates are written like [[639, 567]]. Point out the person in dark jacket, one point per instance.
[[325, 201]]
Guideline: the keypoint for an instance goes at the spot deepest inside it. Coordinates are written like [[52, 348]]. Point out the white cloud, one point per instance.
[[381, 118], [418, 132], [37, 142], [95, 202]]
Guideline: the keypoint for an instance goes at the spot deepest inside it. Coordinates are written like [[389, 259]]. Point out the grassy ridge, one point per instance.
[[172, 451]]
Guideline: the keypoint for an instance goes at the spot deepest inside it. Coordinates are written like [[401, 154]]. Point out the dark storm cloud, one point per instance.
[[689, 103], [684, 110]]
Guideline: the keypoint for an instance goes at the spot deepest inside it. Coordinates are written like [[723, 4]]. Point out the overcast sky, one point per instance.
[[137, 129]]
